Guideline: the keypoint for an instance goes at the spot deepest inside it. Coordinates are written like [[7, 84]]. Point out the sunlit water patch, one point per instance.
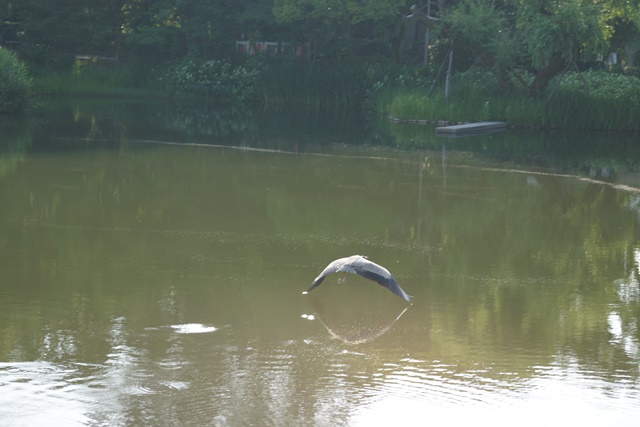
[[41, 393], [193, 328]]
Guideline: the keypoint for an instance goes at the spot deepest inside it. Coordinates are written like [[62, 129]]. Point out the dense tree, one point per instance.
[[523, 43], [50, 33], [208, 29], [623, 19], [541, 37], [347, 26]]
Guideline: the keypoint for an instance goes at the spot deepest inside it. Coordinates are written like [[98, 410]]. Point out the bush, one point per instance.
[[216, 80], [405, 80], [15, 83]]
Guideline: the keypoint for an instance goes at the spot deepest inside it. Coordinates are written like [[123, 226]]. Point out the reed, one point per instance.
[[612, 102], [98, 79], [315, 86]]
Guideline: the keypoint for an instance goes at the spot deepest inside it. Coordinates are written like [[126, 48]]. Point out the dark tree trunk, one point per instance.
[[555, 66], [115, 9], [395, 41]]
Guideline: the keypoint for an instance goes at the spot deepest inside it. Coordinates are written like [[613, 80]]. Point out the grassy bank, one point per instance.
[[270, 83], [256, 83], [593, 100], [282, 85]]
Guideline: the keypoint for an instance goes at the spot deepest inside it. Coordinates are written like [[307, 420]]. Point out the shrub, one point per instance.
[[15, 83], [216, 80], [405, 80]]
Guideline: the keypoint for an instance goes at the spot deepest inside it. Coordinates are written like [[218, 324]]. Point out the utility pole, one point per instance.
[[426, 37], [446, 81]]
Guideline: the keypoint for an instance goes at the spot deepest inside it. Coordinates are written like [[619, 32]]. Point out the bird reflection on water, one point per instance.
[[356, 331]]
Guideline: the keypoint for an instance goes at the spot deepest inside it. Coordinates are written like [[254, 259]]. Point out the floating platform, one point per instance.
[[469, 129]]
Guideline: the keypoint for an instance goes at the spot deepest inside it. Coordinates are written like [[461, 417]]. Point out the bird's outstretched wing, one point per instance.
[[381, 276], [339, 265]]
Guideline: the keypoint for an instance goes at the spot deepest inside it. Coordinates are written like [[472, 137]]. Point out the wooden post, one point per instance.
[[433, 85]]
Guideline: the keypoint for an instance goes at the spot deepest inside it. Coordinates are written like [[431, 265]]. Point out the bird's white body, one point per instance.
[[358, 264]]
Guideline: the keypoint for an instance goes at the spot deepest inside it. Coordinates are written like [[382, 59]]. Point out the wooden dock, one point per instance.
[[469, 129]]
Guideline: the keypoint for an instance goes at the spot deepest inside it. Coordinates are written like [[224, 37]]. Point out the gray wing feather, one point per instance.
[[387, 282], [333, 267]]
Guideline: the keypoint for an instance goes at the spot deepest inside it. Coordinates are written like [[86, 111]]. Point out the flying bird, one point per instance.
[[358, 264]]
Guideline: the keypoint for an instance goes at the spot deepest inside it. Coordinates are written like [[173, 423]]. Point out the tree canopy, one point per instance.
[[542, 37], [523, 43]]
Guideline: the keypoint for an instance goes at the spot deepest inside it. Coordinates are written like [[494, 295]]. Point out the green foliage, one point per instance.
[[524, 44], [570, 27], [498, 32], [543, 36], [313, 87], [15, 83], [349, 86], [339, 28], [335, 10], [51, 33], [612, 102], [478, 21], [90, 77], [216, 80], [392, 81]]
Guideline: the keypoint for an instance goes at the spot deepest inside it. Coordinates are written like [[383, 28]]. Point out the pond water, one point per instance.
[[153, 261]]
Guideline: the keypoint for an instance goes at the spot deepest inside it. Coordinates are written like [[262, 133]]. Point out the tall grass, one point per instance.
[[612, 102], [98, 79], [315, 86]]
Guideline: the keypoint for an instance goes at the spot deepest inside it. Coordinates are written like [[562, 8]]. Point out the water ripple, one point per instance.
[[293, 239], [35, 393]]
